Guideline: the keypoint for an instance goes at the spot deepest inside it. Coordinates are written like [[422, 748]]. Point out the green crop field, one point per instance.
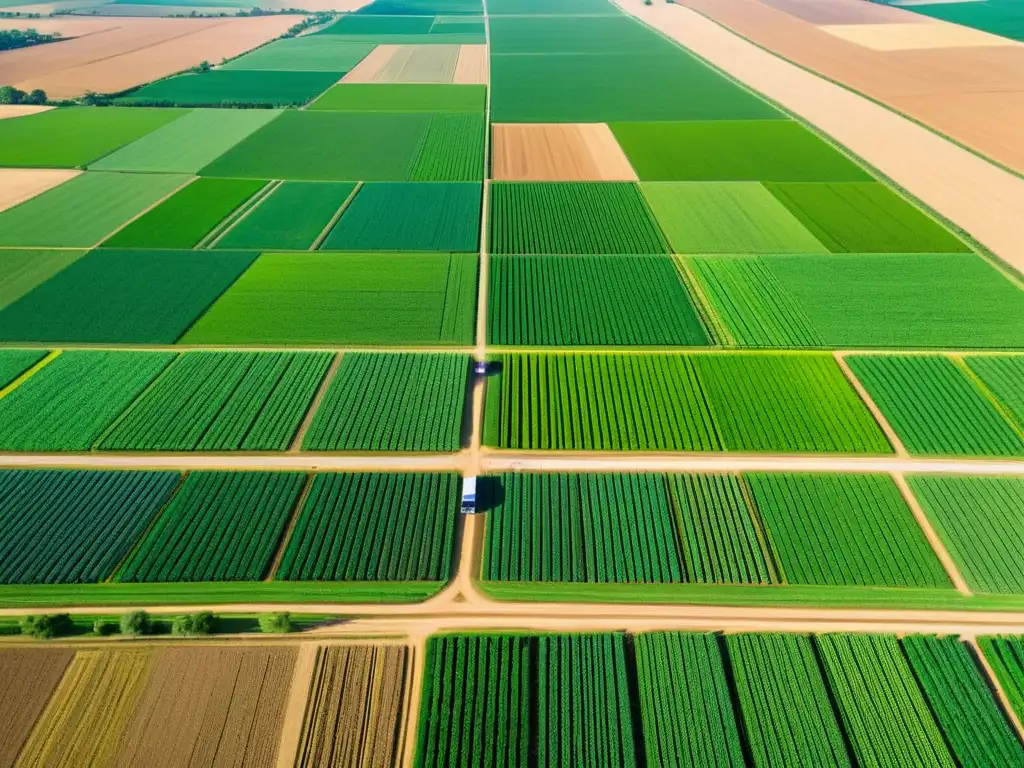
[[67, 404], [662, 402], [400, 216], [726, 217], [374, 527], [935, 409], [1003, 377], [403, 97], [72, 138], [981, 522], [235, 87], [965, 708], [371, 299], [392, 402], [1006, 655], [61, 527], [452, 148], [997, 17], [871, 300], [883, 710], [14, 362], [291, 217], [372, 24], [844, 530], [734, 150], [222, 401], [571, 218], [569, 528], [123, 296], [864, 217], [21, 271], [185, 218], [188, 143], [591, 301], [312, 53], [620, 35], [220, 526], [81, 212]]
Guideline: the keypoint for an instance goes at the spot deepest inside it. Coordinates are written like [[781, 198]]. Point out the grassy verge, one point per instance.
[[741, 595]]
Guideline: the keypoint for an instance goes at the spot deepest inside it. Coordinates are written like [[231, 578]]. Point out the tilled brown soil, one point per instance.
[[28, 678]]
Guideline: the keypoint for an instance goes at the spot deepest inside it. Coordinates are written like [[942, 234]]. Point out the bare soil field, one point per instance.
[[367, 70], [421, 64], [926, 85], [28, 678], [355, 705], [8, 111], [121, 53], [209, 706], [558, 152], [472, 68], [20, 184], [843, 12], [911, 37]]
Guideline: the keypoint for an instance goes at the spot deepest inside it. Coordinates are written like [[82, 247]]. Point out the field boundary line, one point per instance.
[[30, 372], [995, 685], [333, 221], [140, 214], [876, 412], [705, 311], [179, 348], [286, 534], [409, 725], [772, 559], [116, 422], [301, 462], [959, 362], [934, 540], [314, 406], [294, 721], [242, 212]]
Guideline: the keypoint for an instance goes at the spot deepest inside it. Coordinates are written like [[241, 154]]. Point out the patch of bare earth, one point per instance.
[[473, 66], [28, 678], [8, 111], [367, 70], [20, 184], [558, 152]]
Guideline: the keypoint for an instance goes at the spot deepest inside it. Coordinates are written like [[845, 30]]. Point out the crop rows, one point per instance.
[[591, 301], [220, 526], [1003, 376], [30, 676], [1006, 655], [659, 402], [452, 148], [392, 402], [14, 362], [374, 527]]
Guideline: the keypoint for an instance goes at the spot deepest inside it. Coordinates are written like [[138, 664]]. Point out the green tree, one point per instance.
[[276, 623], [136, 623], [45, 627], [10, 95], [193, 624]]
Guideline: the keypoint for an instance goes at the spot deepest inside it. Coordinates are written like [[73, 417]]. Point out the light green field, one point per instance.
[[188, 144], [312, 53], [21, 271], [85, 210]]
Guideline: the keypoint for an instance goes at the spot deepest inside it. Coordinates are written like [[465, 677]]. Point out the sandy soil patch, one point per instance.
[[421, 64], [983, 199], [558, 152], [125, 52], [844, 12], [20, 110], [910, 37], [295, 708], [20, 184], [472, 67], [941, 74], [367, 70]]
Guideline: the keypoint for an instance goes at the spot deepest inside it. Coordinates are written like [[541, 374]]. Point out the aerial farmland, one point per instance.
[[511, 382]]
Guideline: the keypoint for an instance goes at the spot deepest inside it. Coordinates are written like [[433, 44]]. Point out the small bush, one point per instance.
[[102, 627], [45, 627], [136, 623], [276, 623], [193, 624]]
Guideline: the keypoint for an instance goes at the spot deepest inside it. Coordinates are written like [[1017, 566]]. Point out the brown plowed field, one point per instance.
[[973, 95], [558, 152], [204, 706], [28, 678], [472, 68], [844, 12], [367, 70], [354, 711], [111, 55]]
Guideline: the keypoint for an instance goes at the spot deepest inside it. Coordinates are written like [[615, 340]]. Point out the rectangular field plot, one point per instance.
[[21, 271], [222, 401], [185, 218], [735, 150], [1003, 377], [187, 144], [980, 520], [220, 526], [67, 404], [871, 300], [62, 527], [84, 210], [571, 218], [71, 138], [413, 64], [30, 677], [864, 217], [935, 409], [374, 527], [844, 530], [401, 216], [235, 87], [123, 297], [452, 148], [373, 24], [1006, 655], [312, 53], [677, 402], [404, 97], [356, 707], [591, 301], [557, 152], [14, 362], [291, 217], [726, 217], [621, 35], [583, 528], [588, 88], [392, 402], [332, 299]]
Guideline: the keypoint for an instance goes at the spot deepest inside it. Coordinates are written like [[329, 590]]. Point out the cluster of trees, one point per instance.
[[11, 95], [138, 623], [23, 38]]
